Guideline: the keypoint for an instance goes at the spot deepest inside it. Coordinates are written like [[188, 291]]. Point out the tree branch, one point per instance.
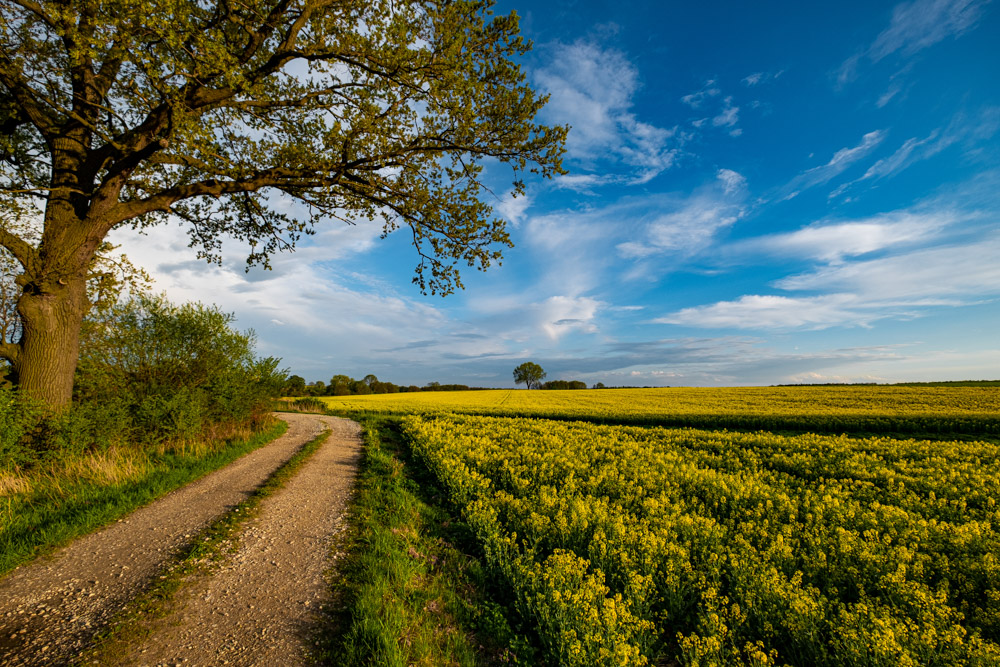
[[23, 252], [37, 10], [278, 177], [13, 80], [10, 351]]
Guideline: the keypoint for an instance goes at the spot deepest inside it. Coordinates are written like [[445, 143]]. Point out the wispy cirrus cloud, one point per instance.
[[591, 89], [759, 78], [833, 241], [951, 274], [858, 293], [726, 114], [774, 312], [837, 164], [965, 129], [728, 117], [697, 99], [922, 23], [915, 26], [938, 253], [689, 225]]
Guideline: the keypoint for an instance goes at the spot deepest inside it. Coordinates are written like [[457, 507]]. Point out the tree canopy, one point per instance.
[[253, 120], [529, 374]]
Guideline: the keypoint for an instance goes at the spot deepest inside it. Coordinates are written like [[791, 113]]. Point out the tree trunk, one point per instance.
[[50, 343]]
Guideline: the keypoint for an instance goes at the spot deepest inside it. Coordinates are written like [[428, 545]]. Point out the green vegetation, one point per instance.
[[530, 375], [164, 394], [345, 385], [42, 511], [413, 591]]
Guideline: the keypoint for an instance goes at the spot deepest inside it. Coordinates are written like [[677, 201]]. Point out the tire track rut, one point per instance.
[[263, 605]]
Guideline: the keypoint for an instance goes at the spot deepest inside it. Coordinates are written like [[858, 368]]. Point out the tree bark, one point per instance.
[[46, 360]]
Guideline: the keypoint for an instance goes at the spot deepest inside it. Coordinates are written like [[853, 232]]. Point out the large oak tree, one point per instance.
[[124, 112]]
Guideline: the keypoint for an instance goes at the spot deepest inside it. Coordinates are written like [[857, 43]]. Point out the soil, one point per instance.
[[259, 607]]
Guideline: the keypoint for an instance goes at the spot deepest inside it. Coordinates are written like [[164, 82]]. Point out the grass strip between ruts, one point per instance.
[[207, 548], [411, 588], [42, 521]]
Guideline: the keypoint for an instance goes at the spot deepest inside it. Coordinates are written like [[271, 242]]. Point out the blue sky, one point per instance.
[[759, 193]]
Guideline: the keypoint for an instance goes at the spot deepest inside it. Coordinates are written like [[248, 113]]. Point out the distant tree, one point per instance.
[[599, 385], [529, 374], [340, 385], [317, 388], [295, 385], [433, 386], [413, 387], [564, 384]]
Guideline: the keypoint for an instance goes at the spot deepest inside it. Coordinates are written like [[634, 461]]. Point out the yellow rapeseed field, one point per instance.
[[867, 409], [646, 545]]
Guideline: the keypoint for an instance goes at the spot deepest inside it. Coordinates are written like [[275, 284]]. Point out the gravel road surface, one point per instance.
[[51, 608]]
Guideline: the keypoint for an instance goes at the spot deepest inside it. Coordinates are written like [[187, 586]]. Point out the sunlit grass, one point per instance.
[[413, 591], [50, 504]]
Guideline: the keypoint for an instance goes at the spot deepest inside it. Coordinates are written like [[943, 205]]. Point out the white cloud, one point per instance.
[[938, 253], [833, 241], [559, 315], [890, 92], [733, 182], [513, 208], [943, 275], [837, 164], [302, 308], [773, 313], [729, 116], [591, 89], [693, 222], [570, 248], [961, 130], [758, 78], [697, 99], [915, 26], [582, 182], [922, 23]]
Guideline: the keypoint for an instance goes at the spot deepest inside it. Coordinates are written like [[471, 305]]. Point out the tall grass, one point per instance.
[[412, 587], [46, 505]]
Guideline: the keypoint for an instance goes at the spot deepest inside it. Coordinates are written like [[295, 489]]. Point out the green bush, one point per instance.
[[172, 370], [18, 419], [150, 373]]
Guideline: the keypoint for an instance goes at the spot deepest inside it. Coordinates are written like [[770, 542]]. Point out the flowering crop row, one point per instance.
[[926, 410], [632, 546]]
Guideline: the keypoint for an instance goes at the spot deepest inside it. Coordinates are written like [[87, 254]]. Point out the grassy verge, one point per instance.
[[132, 624], [56, 508], [411, 588]]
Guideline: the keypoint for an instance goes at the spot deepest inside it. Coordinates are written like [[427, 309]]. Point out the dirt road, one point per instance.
[[255, 610]]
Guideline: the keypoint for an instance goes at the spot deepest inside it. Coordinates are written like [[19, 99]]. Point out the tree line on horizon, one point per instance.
[[344, 385]]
